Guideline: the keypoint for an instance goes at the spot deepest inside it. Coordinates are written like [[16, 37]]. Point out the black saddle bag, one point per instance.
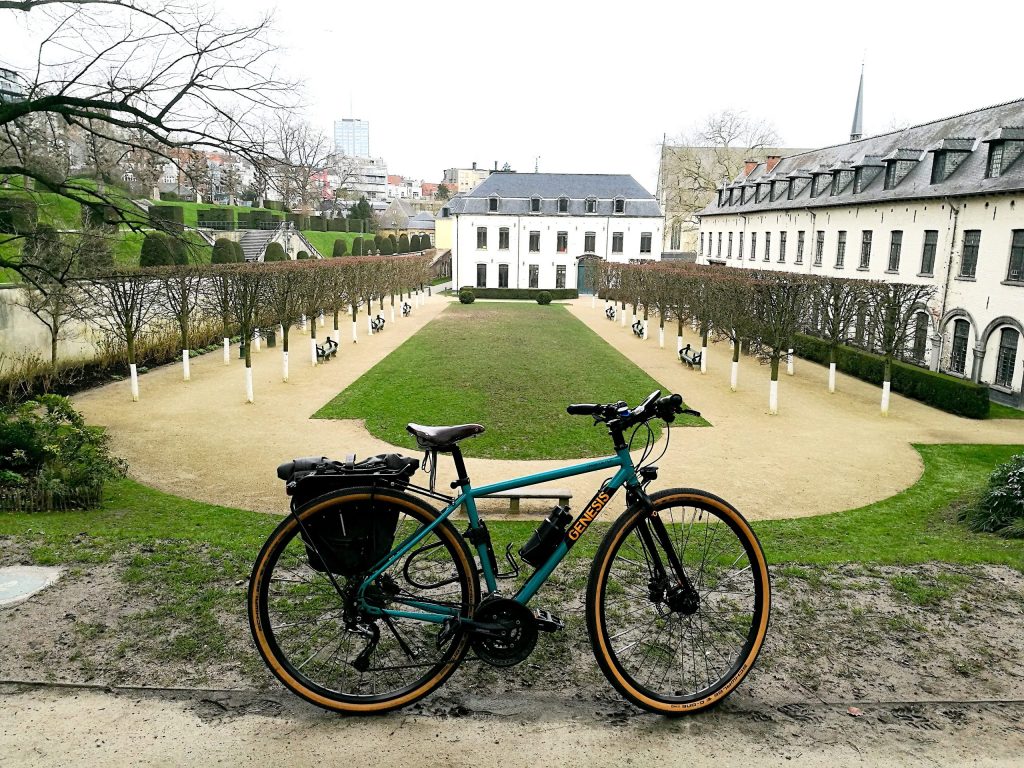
[[347, 539]]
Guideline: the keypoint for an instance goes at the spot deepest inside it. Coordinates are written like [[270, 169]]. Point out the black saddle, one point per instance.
[[442, 438]]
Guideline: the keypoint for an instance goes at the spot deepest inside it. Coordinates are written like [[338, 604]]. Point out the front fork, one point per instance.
[[653, 528]]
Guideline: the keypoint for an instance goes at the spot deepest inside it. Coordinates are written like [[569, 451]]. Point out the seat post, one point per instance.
[[460, 468]]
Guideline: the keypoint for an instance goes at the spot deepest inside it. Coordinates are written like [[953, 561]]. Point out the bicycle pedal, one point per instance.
[[547, 622]]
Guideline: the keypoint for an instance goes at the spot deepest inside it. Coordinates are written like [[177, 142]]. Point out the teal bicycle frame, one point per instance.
[[626, 475]]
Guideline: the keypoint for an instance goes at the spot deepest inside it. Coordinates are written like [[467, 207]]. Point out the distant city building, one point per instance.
[[12, 86], [368, 177], [352, 137], [463, 180], [428, 190], [538, 230], [400, 187]]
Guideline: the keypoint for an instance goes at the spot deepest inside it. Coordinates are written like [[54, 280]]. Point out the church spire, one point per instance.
[[858, 113]]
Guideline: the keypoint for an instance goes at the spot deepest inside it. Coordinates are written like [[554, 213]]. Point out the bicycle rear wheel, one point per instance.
[[311, 632], [671, 653]]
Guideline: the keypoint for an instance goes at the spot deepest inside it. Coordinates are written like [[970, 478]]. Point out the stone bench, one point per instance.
[[515, 494]]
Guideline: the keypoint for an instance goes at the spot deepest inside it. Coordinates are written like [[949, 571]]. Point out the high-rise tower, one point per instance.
[[352, 137]]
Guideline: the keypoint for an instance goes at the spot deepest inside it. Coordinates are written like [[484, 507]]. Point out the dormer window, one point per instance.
[[492, 204], [821, 183], [779, 186], [591, 205], [944, 163], [446, 212], [1001, 155], [762, 192], [563, 205], [841, 180], [744, 197], [620, 205], [534, 205], [898, 165]]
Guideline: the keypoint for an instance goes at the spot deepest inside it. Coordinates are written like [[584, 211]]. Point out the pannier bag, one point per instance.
[[351, 540]]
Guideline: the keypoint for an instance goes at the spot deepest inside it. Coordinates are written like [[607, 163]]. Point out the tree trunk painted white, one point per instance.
[[248, 386], [355, 334], [703, 359], [186, 371], [227, 351], [885, 397], [622, 317], [321, 319], [312, 351], [392, 313], [734, 376], [256, 341], [369, 324], [284, 366], [661, 338], [302, 322], [593, 301], [679, 344], [773, 398], [693, 325], [645, 330], [789, 362], [831, 377], [135, 382]]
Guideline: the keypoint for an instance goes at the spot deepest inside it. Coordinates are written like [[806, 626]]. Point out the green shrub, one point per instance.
[[378, 242], [275, 205], [18, 215], [414, 243], [524, 293], [337, 225], [257, 218], [49, 458], [239, 251], [317, 223], [1001, 509], [368, 248], [224, 252], [169, 218], [302, 255], [220, 218], [339, 247], [403, 243], [544, 297], [95, 255], [466, 296], [156, 250], [300, 221], [386, 248], [274, 252], [940, 390], [357, 247], [179, 250]]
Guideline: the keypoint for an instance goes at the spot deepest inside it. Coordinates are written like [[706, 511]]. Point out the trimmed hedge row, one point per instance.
[[18, 215], [947, 393], [254, 219], [522, 293], [221, 217], [173, 216]]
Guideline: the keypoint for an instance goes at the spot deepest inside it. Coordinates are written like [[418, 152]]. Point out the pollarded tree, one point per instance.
[[701, 306], [246, 283], [180, 292], [314, 297], [282, 301], [733, 313], [892, 308], [834, 302], [780, 301], [217, 296]]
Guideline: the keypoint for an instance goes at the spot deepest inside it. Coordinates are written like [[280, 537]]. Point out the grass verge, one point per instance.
[[1000, 411]]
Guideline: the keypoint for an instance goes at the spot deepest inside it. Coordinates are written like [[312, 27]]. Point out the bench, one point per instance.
[[515, 494], [638, 328], [610, 313], [327, 351], [406, 309], [689, 357], [377, 324]]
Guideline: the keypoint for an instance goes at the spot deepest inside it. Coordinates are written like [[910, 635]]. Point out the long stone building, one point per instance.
[[940, 203]]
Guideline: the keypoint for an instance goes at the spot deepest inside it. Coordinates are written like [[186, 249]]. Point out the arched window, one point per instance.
[[920, 337], [1007, 359], [958, 352]]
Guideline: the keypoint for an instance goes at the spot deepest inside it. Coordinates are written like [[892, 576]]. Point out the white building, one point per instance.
[[536, 230], [940, 203]]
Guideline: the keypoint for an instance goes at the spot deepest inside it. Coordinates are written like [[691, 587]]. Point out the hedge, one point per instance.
[[337, 225], [172, 217], [18, 215], [257, 217], [156, 251], [340, 246], [300, 221], [940, 390], [98, 216], [317, 223], [523, 293], [224, 252], [275, 205], [220, 218]]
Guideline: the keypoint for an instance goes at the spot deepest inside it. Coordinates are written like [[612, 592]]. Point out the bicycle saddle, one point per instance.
[[442, 438]]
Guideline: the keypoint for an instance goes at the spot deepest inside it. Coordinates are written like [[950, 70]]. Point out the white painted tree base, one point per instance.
[[284, 367], [256, 342], [392, 313], [355, 333], [622, 317], [593, 301], [248, 385], [832, 377], [369, 324], [790, 363], [321, 320], [227, 351], [186, 370], [773, 398], [679, 344], [312, 350], [885, 397], [661, 338], [302, 322], [703, 359], [134, 374], [734, 376], [645, 330]]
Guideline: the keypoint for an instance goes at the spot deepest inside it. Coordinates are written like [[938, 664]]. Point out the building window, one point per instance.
[[995, 160], [535, 242], [800, 247], [481, 275], [841, 249], [492, 204], [920, 336], [503, 275], [819, 247], [563, 205], [560, 276], [958, 354], [675, 239], [503, 239], [481, 238], [677, 231], [562, 242], [865, 249], [782, 247], [620, 205], [534, 205], [591, 205], [728, 252], [753, 245], [739, 254], [719, 254], [645, 242], [767, 246], [969, 259], [1007, 359], [534, 275], [617, 242], [1016, 270], [590, 242], [931, 242], [895, 247]]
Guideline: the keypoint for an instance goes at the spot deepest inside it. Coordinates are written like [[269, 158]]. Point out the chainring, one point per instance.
[[519, 636]]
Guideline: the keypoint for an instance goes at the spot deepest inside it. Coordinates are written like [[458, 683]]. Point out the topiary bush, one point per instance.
[[239, 251], [466, 296], [414, 243], [368, 247], [403, 243], [156, 251], [357, 247], [386, 248], [544, 298], [339, 248], [302, 255], [170, 218], [1001, 509], [274, 252], [224, 252], [179, 250]]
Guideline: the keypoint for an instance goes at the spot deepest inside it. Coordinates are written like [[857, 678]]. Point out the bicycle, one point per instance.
[[677, 604]]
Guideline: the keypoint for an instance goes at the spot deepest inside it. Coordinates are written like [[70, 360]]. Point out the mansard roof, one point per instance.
[[515, 192], [971, 132]]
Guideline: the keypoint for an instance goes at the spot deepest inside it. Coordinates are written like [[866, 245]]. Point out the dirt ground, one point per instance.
[[199, 439]]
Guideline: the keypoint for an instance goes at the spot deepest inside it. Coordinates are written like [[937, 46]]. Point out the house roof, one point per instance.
[[515, 192], [916, 143]]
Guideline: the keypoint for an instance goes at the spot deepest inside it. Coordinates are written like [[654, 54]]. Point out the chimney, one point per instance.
[[749, 166], [474, 165], [495, 166], [772, 161]]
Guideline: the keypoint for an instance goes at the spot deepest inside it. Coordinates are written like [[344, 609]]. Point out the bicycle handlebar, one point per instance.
[[619, 414]]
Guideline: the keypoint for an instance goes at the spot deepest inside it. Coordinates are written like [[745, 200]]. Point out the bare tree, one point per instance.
[[180, 292], [893, 307], [303, 153], [779, 307], [834, 302], [732, 302], [283, 300], [197, 171]]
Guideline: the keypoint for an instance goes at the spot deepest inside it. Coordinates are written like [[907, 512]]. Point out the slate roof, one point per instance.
[[971, 130], [516, 190]]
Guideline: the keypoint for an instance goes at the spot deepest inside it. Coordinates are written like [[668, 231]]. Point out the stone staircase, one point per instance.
[[254, 243]]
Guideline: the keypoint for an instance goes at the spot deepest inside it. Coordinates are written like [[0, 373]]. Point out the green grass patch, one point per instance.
[[1000, 411], [324, 241], [513, 368]]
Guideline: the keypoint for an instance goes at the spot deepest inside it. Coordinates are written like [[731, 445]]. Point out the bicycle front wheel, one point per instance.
[[319, 639], [664, 649]]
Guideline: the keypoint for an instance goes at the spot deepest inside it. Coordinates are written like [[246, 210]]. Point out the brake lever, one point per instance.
[[690, 412]]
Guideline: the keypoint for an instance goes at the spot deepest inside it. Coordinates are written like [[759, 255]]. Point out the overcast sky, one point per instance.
[[592, 87]]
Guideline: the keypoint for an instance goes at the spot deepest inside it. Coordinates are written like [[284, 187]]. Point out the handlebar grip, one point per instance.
[[582, 409]]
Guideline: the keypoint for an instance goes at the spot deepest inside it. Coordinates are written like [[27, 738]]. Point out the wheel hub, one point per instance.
[[682, 600]]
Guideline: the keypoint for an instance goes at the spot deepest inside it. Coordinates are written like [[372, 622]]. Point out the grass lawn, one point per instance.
[[324, 241], [512, 368], [1000, 411]]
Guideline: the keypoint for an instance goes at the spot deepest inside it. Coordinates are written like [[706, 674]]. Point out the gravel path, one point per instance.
[[822, 453]]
